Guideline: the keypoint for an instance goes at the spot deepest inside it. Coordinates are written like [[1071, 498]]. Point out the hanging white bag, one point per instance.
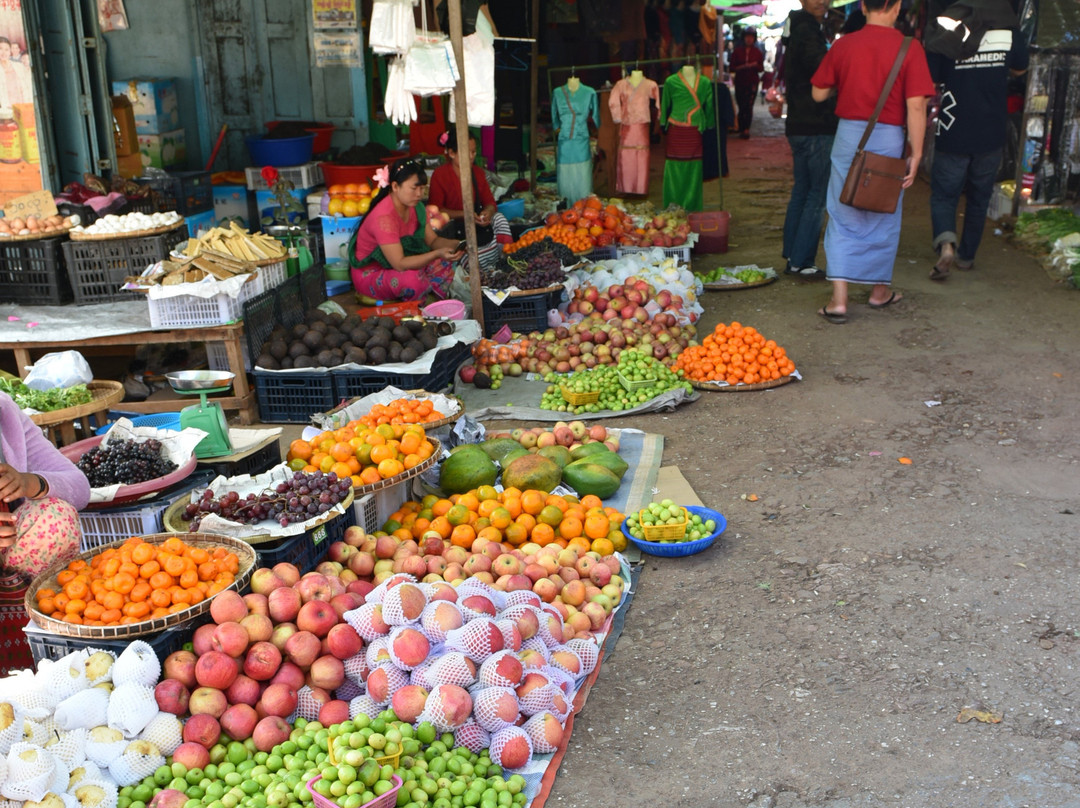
[[478, 55], [430, 66], [392, 26]]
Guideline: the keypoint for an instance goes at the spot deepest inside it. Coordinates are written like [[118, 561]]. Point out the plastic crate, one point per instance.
[[162, 420], [336, 232], [44, 645], [388, 799], [186, 192], [663, 532], [306, 550], [97, 269], [185, 311], [105, 526], [34, 272], [603, 253], [578, 399], [372, 510], [305, 176], [87, 215], [349, 384], [523, 313], [292, 397], [255, 461], [631, 386], [312, 287], [282, 305], [140, 204], [712, 229], [217, 358], [682, 252]]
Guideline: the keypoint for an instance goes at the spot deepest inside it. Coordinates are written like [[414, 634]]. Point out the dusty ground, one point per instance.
[[821, 653]]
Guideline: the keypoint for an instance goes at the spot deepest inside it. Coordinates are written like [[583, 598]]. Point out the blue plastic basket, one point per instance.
[[280, 152], [162, 420], [680, 549]]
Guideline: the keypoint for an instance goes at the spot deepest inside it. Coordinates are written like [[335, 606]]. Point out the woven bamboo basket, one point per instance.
[[105, 393], [743, 388], [140, 629], [75, 235], [37, 236], [412, 394]]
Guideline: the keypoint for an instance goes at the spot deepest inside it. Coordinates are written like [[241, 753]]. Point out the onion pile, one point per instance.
[[32, 225]]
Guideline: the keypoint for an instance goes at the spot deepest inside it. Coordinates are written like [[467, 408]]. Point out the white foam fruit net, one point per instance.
[[537, 645], [560, 678], [500, 739], [138, 664], [86, 709], [490, 675], [307, 706], [377, 594], [472, 736], [469, 612], [538, 699], [471, 586], [60, 777], [360, 620], [477, 639], [430, 590], [377, 653], [66, 678], [511, 636], [104, 745], [588, 652], [69, 747], [452, 668], [88, 771], [522, 597], [407, 635], [31, 770], [356, 668], [392, 609], [131, 707], [419, 674], [139, 759], [535, 727], [364, 704], [437, 616], [555, 662], [99, 666], [550, 629], [437, 707], [11, 724], [95, 794], [492, 707], [348, 690], [164, 731], [519, 610], [34, 732], [383, 681]]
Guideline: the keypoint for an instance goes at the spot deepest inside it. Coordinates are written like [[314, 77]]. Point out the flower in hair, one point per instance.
[[382, 176], [444, 139]]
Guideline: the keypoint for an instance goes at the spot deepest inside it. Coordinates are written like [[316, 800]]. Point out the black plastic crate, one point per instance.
[[140, 204], [56, 646], [524, 313], [33, 272], [186, 192], [278, 306], [292, 397], [87, 215], [97, 268], [258, 460], [312, 286], [308, 549], [349, 384]]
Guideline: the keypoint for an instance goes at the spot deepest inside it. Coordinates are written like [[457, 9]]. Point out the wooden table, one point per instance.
[[242, 399]]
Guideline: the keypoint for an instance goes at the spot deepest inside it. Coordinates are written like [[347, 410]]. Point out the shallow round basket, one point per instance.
[[155, 231], [63, 231], [173, 522], [742, 388], [127, 493], [408, 474], [449, 309], [411, 394], [103, 395], [733, 287], [142, 628], [682, 548]]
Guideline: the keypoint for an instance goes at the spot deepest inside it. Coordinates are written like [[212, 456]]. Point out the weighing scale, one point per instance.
[[206, 415]]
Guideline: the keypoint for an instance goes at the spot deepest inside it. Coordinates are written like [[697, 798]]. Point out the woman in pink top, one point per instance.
[[394, 253], [40, 494]]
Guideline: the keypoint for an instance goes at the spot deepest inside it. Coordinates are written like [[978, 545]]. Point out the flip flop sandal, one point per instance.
[[938, 274], [834, 317], [892, 299]]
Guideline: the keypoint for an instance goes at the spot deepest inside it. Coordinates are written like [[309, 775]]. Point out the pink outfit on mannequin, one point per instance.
[[630, 107]]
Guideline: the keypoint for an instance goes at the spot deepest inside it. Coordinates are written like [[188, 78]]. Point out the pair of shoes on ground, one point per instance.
[[839, 317], [810, 273]]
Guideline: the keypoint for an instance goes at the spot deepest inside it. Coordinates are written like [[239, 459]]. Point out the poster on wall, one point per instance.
[[112, 16], [334, 14], [337, 50], [20, 161]]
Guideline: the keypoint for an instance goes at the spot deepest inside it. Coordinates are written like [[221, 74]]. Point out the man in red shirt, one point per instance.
[[746, 63]]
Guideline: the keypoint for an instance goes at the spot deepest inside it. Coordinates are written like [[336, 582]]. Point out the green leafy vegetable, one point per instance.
[[45, 400]]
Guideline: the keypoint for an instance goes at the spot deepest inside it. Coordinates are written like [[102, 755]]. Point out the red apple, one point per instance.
[[343, 642], [216, 669], [180, 665], [172, 696], [270, 732], [284, 604], [239, 722], [262, 661], [316, 616]]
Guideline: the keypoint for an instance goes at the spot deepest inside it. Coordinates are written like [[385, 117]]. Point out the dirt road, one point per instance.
[[820, 655]]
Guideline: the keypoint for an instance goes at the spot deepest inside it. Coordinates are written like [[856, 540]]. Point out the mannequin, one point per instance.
[[571, 107], [686, 112], [631, 103]]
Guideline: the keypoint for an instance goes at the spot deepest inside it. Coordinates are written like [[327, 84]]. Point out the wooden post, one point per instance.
[[534, 74], [461, 115]]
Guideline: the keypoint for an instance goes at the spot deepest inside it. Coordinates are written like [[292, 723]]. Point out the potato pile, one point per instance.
[[33, 226]]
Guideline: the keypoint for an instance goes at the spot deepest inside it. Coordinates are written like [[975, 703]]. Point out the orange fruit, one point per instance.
[[596, 526], [390, 468], [532, 502], [603, 546], [550, 515], [463, 536], [457, 515]]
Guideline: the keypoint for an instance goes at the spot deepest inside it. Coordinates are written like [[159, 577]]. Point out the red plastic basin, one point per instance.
[[128, 493]]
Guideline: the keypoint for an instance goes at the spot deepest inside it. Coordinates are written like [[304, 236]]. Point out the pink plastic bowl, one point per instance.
[[450, 309]]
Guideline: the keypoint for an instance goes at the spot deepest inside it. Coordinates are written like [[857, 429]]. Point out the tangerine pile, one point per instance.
[[399, 411], [734, 354], [350, 199], [577, 239], [513, 517], [365, 453], [137, 581]]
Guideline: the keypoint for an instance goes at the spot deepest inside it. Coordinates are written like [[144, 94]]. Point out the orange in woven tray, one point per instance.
[[366, 453], [399, 411], [137, 581], [734, 353]]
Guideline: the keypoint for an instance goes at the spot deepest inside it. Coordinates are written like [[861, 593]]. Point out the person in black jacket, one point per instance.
[[810, 128]]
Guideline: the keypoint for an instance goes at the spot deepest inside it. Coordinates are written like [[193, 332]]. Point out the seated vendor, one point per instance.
[[41, 492], [394, 253], [492, 228]]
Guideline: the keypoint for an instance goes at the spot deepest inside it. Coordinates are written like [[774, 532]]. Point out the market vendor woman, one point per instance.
[[394, 253], [41, 492]]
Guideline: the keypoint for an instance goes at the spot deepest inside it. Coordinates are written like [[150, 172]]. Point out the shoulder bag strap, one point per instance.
[[885, 91]]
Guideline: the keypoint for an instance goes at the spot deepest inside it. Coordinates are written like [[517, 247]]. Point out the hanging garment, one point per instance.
[[631, 108], [570, 113], [607, 148], [686, 111]]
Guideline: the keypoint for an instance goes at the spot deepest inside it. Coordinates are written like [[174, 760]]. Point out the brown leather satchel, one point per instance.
[[874, 181]]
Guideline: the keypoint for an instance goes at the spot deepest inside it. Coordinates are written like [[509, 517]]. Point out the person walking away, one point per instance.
[[860, 246], [810, 128], [971, 131], [746, 64]]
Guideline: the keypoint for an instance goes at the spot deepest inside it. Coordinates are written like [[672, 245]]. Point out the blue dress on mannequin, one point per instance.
[[570, 112]]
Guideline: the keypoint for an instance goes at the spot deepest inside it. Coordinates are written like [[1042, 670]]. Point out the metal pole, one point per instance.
[[461, 114], [534, 76]]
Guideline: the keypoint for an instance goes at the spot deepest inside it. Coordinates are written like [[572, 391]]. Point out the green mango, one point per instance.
[[607, 459], [586, 449], [589, 478]]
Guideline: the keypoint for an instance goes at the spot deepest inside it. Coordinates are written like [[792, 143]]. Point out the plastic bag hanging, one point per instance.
[[430, 66], [392, 28]]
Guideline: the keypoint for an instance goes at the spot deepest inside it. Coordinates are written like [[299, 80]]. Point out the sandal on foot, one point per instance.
[[938, 273], [834, 317], [892, 299]]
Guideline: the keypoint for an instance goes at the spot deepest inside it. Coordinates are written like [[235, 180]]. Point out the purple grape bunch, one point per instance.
[[301, 497]]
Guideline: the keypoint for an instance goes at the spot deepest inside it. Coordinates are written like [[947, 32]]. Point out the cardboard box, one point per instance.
[[231, 202], [154, 102], [200, 222], [130, 166], [266, 204], [167, 150]]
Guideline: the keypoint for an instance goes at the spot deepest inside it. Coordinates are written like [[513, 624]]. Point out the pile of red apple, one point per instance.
[[626, 301], [669, 228], [571, 435]]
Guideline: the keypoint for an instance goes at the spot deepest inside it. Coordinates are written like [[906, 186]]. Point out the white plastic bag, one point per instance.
[[478, 54], [61, 369], [430, 67], [392, 26]]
